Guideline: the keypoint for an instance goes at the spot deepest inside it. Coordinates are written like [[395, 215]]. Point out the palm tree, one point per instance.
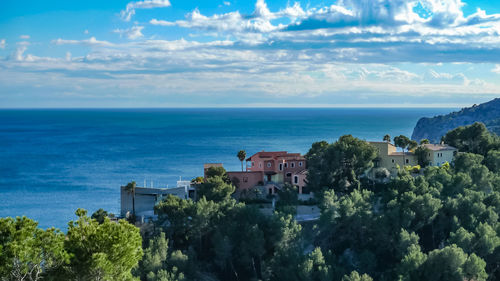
[[412, 145], [242, 155], [402, 142], [424, 141], [130, 188], [387, 138]]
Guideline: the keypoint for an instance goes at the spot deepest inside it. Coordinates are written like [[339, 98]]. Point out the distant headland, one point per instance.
[[436, 127]]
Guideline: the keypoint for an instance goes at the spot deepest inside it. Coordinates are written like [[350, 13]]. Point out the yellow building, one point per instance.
[[389, 158]]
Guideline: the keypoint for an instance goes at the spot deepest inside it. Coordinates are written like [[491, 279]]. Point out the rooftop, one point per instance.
[[275, 155], [439, 147]]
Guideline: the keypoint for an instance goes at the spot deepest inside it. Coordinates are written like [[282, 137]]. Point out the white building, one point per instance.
[[147, 197], [440, 154]]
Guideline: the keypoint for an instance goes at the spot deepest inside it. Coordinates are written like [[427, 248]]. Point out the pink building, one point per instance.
[[271, 170]]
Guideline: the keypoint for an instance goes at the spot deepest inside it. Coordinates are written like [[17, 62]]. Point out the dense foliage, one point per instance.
[[474, 138], [338, 165], [442, 224], [89, 251]]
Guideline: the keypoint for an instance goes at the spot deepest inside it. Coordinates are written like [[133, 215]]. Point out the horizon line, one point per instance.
[[254, 106]]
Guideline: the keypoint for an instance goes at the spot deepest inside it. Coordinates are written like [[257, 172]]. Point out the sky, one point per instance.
[[233, 53]]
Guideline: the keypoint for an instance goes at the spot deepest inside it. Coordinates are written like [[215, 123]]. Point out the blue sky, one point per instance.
[[161, 53]]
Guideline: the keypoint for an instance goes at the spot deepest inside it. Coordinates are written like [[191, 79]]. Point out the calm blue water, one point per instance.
[[55, 161]]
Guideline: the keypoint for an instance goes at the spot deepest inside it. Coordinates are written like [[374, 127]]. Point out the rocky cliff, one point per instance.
[[436, 127]]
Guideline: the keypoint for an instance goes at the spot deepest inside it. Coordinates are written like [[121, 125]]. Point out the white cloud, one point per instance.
[[496, 69], [132, 33], [161, 22], [232, 22], [226, 3], [2, 44], [86, 31], [386, 23], [25, 37], [92, 41], [145, 4], [354, 49], [18, 54]]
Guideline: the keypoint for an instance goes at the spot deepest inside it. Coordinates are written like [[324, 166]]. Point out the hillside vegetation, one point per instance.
[[436, 127]]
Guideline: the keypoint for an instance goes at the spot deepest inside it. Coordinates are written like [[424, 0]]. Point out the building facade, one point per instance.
[[147, 197], [388, 157], [269, 171], [440, 154]]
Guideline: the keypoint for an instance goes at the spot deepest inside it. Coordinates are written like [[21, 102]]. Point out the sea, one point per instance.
[[53, 161]]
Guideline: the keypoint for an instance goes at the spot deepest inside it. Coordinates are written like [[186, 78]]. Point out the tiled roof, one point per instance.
[[400, 153], [438, 147], [275, 155]]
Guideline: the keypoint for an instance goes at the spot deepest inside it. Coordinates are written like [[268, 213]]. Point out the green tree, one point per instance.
[[217, 172], [451, 263], [107, 251], [339, 165], [409, 268], [242, 155], [405, 143], [27, 252], [315, 267], [177, 213], [99, 215], [286, 244], [464, 162], [349, 225], [130, 188], [387, 138], [215, 189], [422, 154], [474, 138], [355, 276], [160, 264], [424, 141], [197, 180], [288, 199], [492, 160]]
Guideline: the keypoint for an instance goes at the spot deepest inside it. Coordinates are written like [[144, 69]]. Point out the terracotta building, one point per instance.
[[270, 171]]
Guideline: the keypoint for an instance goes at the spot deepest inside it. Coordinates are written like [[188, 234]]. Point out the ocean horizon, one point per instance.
[[53, 161]]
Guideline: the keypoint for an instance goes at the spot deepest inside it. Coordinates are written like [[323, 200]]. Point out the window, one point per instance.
[[288, 174], [253, 163], [407, 161], [392, 160], [296, 179], [260, 165], [293, 164], [245, 179], [300, 164], [269, 164], [281, 166], [286, 165]]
